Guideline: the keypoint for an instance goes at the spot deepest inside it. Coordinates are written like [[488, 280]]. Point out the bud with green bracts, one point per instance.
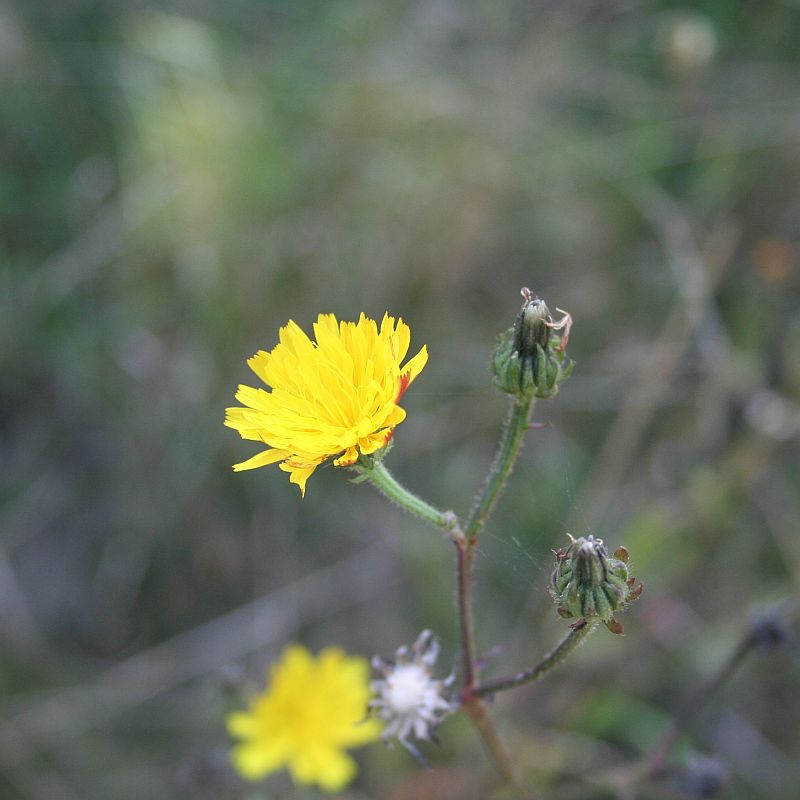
[[529, 360], [589, 584]]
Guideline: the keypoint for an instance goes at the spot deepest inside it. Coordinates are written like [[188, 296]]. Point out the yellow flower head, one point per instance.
[[313, 709], [336, 396]]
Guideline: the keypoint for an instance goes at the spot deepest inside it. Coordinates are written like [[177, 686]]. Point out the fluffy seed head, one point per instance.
[[407, 697]]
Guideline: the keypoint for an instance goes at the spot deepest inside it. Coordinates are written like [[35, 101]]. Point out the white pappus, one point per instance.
[[407, 697]]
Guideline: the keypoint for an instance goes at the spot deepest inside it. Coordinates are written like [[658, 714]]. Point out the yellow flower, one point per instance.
[[334, 397], [312, 710]]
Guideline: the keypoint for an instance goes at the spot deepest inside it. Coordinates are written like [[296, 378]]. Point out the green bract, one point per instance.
[[588, 583], [529, 360]]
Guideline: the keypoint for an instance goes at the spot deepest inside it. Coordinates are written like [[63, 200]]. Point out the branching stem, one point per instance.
[[465, 541]]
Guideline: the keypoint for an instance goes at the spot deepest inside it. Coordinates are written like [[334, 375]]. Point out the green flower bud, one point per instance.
[[531, 328], [529, 359], [587, 582]]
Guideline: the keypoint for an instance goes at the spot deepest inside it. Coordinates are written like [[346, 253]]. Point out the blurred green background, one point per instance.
[[180, 178]]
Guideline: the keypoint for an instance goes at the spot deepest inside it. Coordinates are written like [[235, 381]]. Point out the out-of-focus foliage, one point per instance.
[[179, 179]]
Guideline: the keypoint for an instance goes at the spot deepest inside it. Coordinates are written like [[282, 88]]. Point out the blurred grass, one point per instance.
[[177, 181]]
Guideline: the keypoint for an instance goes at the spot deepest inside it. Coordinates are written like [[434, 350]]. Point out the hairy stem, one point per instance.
[[510, 443], [387, 484], [465, 617], [507, 452], [472, 705], [555, 657]]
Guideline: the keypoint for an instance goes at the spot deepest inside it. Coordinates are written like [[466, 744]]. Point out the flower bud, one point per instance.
[[529, 359], [531, 330], [588, 583]]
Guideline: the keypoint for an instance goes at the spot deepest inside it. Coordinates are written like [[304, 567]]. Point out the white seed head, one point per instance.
[[407, 688], [407, 698]]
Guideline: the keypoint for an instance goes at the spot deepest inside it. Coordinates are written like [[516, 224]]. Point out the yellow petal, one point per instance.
[[261, 459], [253, 398], [255, 760], [249, 423], [298, 475], [402, 339], [413, 367], [296, 657], [334, 770], [259, 364], [350, 456], [370, 444], [363, 732], [242, 724], [295, 340]]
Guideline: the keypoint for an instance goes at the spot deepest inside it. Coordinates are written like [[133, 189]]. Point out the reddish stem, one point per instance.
[[466, 620]]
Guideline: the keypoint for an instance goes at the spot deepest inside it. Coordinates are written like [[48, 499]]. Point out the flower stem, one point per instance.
[[507, 452], [387, 484], [510, 443], [472, 705], [555, 657]]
